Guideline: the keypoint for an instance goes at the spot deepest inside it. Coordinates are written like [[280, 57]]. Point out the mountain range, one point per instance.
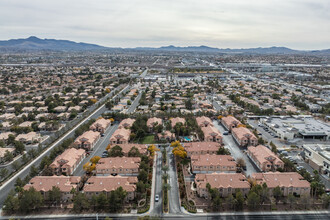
[[36, 44]]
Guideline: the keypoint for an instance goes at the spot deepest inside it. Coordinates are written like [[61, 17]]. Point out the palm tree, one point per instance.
[[166, 186], [165, 177], [165, 168]]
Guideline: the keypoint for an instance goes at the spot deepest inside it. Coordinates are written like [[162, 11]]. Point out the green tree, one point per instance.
[[102, 201], [3, 173], [19, 147], [34, 171], [8, 156], [239, 200], [11, 204], [54, 195], [326, 201], [140, 187], [16, 165], [80, 203], [143, 176], [277, 193], [291, 199], [30, 200], [116, 151], [253, 201], [134, 152]]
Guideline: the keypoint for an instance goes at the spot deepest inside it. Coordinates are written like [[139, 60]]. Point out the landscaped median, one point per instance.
[[166, 186]]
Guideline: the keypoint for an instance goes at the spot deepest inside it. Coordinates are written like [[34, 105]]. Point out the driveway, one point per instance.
[[174, 200], [235, 151]]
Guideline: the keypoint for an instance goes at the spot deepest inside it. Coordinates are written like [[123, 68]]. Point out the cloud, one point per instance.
[[301, 24]]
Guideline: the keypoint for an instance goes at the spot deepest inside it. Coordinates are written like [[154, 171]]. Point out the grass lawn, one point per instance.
[[150, 139]]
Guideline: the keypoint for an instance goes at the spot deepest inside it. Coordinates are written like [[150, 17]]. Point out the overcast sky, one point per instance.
[[298, 24]]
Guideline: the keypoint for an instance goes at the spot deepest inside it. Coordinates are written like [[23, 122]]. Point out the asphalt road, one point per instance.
[[174, 200], [134, 104], [10, 184], [235, 151], [98, 149], [311, 215], [158, 206], [144, 74]]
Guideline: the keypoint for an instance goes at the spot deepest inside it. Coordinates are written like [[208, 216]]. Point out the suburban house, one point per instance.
[[201, 148], [230, 122], [100, 125], [212, 163], [264, 158], [87, 140], [3, 152], [96, 185], [125, 166], [120, 136], [204, 121], [68, 161], [244, 137], [289, 182], [176, 120], [212, 134], [226, 183], [142, 148], [126, 123], [153, 122], [44, 184], [29, 138]]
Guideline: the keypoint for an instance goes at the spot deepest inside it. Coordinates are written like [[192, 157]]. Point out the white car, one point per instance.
[[157, 198]]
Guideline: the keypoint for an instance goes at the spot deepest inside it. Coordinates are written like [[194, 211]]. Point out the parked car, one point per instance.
[[225, 133]]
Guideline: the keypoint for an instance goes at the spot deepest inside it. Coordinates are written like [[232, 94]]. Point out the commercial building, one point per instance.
[[300, 126], [318, 157]]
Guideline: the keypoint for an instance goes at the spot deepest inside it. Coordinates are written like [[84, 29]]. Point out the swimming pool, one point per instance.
[[187, 139]]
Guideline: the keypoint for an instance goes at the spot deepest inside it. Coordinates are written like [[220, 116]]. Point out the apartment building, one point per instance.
[[120, 136], [230, 122], [226, 183], [264, 159], [176, 120], [244, 137], [153, 122], [212, 134], [96, 185], [204, 121], [66, 184], [87, 140], [212, 163], [142, 148], [126, 123], [289, 182], [124, 166], [100, 125], [201, 148], [67, 162]]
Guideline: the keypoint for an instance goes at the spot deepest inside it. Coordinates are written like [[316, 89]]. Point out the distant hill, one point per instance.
[[34, 43]]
